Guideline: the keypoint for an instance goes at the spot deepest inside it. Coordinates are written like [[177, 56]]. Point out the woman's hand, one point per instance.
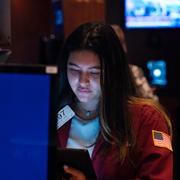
[[75, 174]]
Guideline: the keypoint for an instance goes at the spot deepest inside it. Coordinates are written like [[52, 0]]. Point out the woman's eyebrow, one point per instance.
[[72, 64]]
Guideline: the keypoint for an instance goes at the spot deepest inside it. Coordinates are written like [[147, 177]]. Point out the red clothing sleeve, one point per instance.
[[153, 163]]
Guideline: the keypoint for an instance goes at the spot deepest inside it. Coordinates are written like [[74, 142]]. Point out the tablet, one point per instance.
[[76, 158]]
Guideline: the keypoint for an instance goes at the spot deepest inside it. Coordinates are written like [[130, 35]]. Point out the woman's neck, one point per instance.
[[87, 111]]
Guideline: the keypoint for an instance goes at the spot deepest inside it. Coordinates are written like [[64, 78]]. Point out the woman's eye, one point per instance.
[[95, 72], [74, 71]]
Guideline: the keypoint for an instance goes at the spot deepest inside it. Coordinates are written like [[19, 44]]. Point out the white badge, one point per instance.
[[64, 115]]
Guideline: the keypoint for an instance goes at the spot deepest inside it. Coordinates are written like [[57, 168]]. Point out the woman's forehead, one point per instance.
[[84, 57]]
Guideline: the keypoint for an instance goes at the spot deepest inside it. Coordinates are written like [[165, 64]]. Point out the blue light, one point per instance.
[[58, 17], [157, 72]]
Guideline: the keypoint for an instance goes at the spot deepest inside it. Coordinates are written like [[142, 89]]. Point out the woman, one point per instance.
[[127, 137]]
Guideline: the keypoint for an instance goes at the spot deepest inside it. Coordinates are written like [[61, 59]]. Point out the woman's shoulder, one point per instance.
[[144, 108], [148, 114]]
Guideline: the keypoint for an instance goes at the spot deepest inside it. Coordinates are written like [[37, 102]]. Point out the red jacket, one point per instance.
[[149, 162]]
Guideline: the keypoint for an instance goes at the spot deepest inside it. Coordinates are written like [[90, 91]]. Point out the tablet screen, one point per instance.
[[76, 158]]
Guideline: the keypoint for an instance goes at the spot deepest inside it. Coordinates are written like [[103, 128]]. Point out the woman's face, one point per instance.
[[83, 71]]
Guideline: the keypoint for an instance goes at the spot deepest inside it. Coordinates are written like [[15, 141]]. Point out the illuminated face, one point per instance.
[[83, 71]]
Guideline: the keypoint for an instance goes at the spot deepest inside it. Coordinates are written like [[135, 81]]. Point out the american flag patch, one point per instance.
[[161, 139]]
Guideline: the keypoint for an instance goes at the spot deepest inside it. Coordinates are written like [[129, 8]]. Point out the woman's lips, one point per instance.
[[84, 90]]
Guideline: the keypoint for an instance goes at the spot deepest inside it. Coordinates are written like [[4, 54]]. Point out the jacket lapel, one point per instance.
[[63, 134]]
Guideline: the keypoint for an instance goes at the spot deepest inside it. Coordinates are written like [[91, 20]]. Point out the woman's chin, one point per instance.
[[83, 100]]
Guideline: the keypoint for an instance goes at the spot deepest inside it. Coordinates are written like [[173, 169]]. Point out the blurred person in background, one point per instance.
[[143, 87]]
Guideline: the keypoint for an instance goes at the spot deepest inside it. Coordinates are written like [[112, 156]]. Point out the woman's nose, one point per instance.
[[84, 78]]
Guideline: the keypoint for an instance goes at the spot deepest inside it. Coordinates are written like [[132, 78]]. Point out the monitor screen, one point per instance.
[[27, 122], [152, 13]]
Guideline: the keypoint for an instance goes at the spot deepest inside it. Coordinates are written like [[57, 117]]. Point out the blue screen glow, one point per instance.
[[24, 118]]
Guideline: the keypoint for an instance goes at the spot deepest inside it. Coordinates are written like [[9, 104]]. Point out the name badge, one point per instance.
[[64, 115]]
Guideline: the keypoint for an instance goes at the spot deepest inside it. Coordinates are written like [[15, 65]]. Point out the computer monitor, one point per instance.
[[150, 14], [28, 95]]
